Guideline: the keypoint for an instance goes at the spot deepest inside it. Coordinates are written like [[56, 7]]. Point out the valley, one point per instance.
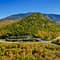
[[34, 37]]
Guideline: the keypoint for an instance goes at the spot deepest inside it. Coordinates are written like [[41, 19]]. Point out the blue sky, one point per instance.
[[9, 7]]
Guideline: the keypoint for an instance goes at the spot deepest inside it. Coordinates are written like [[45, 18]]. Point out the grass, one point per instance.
[[28, 51]]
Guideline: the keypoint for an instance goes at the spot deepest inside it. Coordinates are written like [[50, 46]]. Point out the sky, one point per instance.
[[10, 7]]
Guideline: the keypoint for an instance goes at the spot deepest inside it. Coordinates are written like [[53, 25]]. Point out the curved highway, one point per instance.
[[27, 37]]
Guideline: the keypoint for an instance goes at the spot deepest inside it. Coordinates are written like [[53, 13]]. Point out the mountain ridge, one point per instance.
[[54, 17], [16, 16]]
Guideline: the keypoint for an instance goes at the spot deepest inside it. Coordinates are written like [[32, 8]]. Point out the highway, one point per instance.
[[9, 40]]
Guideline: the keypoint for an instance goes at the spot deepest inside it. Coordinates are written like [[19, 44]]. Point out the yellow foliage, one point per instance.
[[42, 34]]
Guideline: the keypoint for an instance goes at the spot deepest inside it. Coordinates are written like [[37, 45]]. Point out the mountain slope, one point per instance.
[[54, 17], [34, 25], [17, 16]]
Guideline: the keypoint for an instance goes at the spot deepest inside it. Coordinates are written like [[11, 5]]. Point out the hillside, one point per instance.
[[6, 22], [36, 25]]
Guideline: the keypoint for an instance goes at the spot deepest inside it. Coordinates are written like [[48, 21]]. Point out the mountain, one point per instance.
[[16, 16], [35, 24], [54, 17]]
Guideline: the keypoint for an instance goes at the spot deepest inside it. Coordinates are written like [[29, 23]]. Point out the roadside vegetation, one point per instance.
[[56, 42], [29, 51]]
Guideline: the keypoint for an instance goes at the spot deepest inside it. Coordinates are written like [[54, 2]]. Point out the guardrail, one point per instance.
[[22, 38]]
